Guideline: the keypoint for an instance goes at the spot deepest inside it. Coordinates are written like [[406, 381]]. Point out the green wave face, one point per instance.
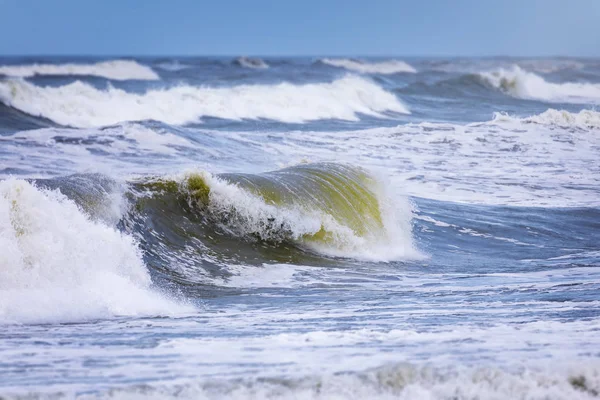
[[344, 193], [325, 203]]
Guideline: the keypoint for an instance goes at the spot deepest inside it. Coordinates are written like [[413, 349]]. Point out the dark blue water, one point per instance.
[[433, 230]]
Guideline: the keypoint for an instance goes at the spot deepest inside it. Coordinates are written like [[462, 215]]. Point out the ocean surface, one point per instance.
[[327, 228]]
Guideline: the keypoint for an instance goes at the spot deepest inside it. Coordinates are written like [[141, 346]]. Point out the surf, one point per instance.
[[332, 209], [79, 104]]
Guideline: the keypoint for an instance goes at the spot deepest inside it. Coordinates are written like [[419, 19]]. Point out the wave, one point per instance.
[[584, 119], [527, 85], [248, 62], [382, 67], [331, 209], [115, 70], [81, 105], [64, 265]]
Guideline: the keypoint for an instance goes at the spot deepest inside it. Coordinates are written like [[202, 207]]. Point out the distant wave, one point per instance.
[[81, 105], [64, 265], [527, 85], [117, 70], [382, 67], [248, 62], [584, 119]]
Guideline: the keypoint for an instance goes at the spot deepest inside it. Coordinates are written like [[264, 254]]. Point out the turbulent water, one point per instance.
[[300, 228]]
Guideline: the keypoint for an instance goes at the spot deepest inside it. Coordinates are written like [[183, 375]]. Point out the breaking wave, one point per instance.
[[116, 70], [584, 119], [527, 85], [332, 209], [58, 264], [382, 67], [81, 105]]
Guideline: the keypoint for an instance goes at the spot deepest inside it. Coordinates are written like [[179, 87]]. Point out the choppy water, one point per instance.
[[300, 228]]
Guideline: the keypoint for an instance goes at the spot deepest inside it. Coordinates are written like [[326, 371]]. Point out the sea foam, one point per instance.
[[584, 119], [58, 265]]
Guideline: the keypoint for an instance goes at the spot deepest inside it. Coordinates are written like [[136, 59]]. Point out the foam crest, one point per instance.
[[81, 105], [584, 119], [116, 69], [382, 67], [64, 266], [527, 85]]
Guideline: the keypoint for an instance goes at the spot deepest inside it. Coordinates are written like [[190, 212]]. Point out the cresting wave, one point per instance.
[[382, 67], [333, 209], [115, 70], [527, 85], [64, 266], [81, 105]]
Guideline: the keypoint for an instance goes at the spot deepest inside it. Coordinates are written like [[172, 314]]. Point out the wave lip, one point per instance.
[[332, 209], [116, 70], [519, 83], [382, 67], [250, 62], [81, 105], [65, 266]]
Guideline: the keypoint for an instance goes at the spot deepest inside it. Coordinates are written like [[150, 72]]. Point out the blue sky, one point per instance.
[[301, 27]]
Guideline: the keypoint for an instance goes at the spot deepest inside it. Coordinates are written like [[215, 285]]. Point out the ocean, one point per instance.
[[299, 228]]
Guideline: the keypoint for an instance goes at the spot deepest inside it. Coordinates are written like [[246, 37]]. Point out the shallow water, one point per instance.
[[431, 231]]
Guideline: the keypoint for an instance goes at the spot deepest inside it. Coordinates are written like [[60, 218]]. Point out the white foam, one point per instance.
[[58, 265], [382, 67], [527, 85], [584, 119], [126, 138], [397, 381], [116, 69], [81, 105]]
